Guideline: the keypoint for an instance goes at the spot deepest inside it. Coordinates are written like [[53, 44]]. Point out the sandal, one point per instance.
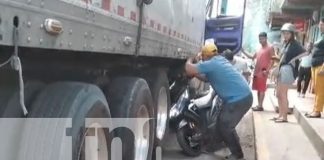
[[281, 121], [274, 118], [311, 115], [257, 108]]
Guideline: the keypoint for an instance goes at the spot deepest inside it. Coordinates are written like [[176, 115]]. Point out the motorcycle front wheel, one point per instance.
[[184, 138]]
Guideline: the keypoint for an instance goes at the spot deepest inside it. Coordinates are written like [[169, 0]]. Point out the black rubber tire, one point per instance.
[[8, 131], [6, 93], [156, 80], [13, 109], [64, 100], [182, 141], [126, 95]]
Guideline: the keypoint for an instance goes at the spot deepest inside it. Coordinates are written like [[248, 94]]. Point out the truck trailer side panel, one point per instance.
[[171, 28]]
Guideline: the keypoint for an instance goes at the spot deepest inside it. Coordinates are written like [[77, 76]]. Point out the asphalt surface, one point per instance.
[[172, 151]]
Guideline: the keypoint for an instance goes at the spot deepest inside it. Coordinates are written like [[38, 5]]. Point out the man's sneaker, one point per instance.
[[257, 108], [233, 157]]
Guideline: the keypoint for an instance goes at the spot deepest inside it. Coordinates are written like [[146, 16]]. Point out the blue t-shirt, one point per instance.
[[228, 83]]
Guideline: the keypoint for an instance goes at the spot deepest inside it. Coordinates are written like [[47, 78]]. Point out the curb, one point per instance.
[[311, 133], [254, 138]]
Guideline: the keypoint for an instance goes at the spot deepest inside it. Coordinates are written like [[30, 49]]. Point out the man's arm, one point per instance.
[[272, 54], [299, 56], [190, 68], [248, 55], [245, 71]]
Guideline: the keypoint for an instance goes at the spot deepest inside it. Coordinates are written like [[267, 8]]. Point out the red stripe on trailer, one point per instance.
[[170, 32], [121, 11], [106, 4], [159, 27], [133, 16], [152, 23]]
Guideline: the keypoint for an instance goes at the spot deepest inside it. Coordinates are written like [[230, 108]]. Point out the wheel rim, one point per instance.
[[142, 142], [97, 147], [162, 113]]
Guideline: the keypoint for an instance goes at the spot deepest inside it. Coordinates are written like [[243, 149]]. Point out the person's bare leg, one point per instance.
[[258, 99], [261, 99], [279, 97], [259, 107], [284, 101]]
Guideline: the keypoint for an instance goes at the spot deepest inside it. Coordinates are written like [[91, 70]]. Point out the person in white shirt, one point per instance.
[[238, 63]]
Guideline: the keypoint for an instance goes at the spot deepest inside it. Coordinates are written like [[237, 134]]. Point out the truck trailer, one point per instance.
[[83, 59]]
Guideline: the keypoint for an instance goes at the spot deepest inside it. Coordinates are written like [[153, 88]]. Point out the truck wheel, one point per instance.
[[159, 86], [130, 97], [13, 109], [5, 93], [63, 107]]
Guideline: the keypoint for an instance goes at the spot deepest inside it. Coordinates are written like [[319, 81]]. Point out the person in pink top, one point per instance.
[[262, 68]]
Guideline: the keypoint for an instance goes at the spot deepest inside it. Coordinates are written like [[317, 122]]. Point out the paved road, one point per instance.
[[172, 151]]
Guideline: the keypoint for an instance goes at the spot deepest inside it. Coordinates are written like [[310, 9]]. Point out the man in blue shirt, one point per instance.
[[233, 89]]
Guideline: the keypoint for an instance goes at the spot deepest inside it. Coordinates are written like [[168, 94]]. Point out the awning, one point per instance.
[[277, 19], [301, 8]]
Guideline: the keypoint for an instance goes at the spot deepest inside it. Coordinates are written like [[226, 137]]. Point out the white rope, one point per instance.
[[16, 65], [6, 62]]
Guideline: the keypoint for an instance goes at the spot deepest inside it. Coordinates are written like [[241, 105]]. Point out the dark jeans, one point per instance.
[[230, 116], [304, 74]]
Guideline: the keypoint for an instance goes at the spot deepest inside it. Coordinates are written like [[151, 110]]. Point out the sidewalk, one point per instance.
[[284, 141], [313, 128]]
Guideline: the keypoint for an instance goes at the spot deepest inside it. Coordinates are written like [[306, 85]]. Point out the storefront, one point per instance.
[[304, 14]]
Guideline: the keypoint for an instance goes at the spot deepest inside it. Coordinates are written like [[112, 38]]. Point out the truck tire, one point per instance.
[[5, 93], [12, 134], [13, 109], [159, 85], [63, 107], [130, 97]]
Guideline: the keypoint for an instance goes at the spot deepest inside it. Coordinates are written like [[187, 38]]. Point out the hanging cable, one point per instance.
[[16, 65]]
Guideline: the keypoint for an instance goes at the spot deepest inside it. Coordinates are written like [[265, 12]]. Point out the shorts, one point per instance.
[[259, 83], [286, 75]]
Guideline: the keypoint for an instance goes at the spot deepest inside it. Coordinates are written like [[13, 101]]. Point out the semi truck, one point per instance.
[[83, 59]]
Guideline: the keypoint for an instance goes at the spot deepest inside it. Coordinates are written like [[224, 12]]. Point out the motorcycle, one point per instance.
[[195, 121]]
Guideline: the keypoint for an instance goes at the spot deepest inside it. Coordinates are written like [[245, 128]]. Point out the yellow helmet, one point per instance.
[[209, 49]]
